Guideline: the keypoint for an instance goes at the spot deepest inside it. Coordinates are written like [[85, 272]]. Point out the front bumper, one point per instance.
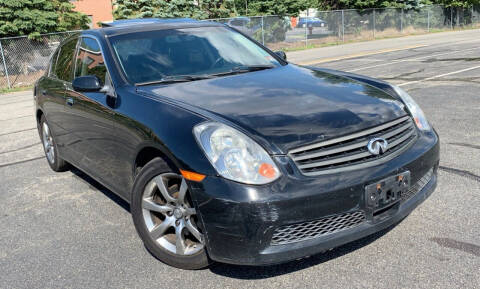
[[239, 220]]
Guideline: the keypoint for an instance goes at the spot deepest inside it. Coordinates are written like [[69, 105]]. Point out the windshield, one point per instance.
[[153, 56]]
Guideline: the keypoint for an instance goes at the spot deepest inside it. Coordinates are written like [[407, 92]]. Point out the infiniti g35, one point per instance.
[[224, 150]]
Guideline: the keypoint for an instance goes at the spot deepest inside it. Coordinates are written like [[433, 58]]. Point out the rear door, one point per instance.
[[51, 90], [62, 75]]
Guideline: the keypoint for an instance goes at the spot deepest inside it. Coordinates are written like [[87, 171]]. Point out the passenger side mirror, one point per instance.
[[88, 83], [282, 55]]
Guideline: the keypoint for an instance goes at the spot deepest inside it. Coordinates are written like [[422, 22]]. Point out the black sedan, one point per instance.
[[224, 150]]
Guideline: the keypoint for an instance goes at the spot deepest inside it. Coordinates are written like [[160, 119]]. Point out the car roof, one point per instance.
[[128, 22], [126, 26]]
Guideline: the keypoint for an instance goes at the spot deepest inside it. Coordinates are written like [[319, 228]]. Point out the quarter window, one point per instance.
[[89, 60], [63, 68]]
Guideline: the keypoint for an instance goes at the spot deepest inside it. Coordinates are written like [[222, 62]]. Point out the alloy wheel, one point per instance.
[[48, 143], [169, 215]]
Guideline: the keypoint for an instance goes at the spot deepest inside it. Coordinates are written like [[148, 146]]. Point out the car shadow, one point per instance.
[[252, 272], [99, 187], [264, 272]]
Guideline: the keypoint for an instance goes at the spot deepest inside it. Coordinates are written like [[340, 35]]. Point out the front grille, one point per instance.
[[350, 152], [313, 229], [418, 186]]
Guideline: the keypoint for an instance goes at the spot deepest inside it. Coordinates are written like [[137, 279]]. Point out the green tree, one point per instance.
[[278, 7], [201, 9], [34, 17], [178, 8], [218, 8], [457, 3], [365, 4], [272, 7]]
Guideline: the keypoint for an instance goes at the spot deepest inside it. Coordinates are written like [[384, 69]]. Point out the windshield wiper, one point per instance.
[[175, 79], [193, 77], [244, 69]]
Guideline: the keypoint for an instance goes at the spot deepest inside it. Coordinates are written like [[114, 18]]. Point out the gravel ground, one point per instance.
[[63, 230]]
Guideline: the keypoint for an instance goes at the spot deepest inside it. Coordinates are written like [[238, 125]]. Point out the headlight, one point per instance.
[[234, 155], [415, 110]]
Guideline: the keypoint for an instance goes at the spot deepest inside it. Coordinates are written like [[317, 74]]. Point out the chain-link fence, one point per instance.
[[289, 33], [23, 61]]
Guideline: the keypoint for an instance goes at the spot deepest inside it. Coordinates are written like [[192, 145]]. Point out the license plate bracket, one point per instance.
[[386, 192]]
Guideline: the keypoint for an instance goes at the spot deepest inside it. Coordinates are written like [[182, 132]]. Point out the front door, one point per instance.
[[91, 117]]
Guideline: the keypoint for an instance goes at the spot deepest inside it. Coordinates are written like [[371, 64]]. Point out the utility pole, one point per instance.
[[246, 7]]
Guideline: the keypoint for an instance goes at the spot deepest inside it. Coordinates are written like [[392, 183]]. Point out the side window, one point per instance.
[[53, 61], [63, 68], [89, 60]]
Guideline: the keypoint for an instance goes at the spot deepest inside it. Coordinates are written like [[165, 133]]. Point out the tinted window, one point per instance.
[[63, 68], [89, 59], [150, 56], [53, 61]]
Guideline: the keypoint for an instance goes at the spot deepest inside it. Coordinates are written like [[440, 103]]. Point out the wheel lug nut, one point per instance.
[[177, 222]]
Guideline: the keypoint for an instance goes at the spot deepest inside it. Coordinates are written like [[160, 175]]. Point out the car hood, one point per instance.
[[285, 107]]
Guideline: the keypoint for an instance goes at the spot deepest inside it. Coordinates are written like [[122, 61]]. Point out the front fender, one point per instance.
[[144, 121]]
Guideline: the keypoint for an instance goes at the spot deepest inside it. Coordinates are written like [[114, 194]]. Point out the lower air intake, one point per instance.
[[313, 229], [418, 186]]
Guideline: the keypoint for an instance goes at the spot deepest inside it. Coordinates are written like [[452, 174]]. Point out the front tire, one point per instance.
[[55, 162], [165, 218]]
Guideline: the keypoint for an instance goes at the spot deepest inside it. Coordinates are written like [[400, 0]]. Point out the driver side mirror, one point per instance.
[[88, 83], [282, 55]]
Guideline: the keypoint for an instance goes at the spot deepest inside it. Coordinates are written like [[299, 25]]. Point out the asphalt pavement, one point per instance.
[[63, 230]]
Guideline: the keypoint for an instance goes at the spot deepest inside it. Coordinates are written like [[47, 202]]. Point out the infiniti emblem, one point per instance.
[[377, 146]]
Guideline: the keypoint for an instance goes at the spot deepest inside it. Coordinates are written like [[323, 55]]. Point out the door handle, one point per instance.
[[70, 101]]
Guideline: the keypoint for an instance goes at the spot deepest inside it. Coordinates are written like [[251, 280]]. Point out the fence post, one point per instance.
[[343, 26], [401, 22], [373, 23], [263, 33], [5, 66], [472, 17], [458, 17], [451, 17], [306, 35], [428, 20]]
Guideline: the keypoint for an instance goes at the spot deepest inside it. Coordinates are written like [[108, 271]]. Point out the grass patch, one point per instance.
[[15, 89], [311, 46]]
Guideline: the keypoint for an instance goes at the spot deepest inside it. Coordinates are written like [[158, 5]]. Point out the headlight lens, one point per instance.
[[415, 110], [234, 155]]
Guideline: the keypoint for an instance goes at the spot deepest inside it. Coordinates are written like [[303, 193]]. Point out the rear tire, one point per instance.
[[165, 218], [55, 162]]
